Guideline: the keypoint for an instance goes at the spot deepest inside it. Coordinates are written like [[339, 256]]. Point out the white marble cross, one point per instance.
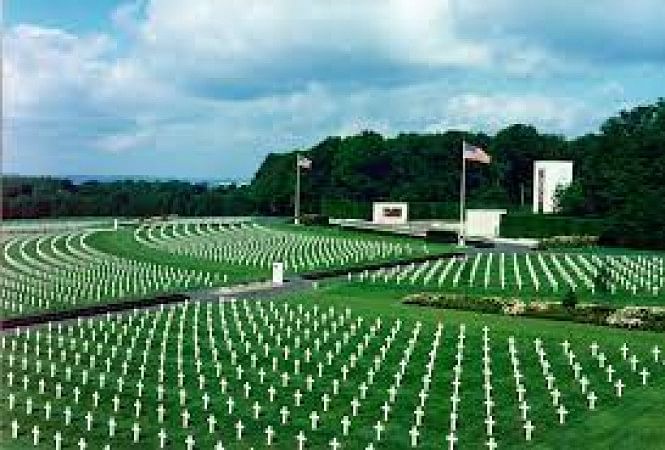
[[269, 434], [528, 429], [562, 412], [413, 433], [619, 385]]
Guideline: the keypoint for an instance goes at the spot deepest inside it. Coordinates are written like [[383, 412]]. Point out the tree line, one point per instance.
[[619, 176]]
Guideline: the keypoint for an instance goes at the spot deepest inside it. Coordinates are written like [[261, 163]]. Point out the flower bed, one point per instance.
[[632, 317]]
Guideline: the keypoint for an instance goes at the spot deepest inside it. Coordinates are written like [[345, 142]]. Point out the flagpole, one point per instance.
[[296, 212], [462, 231]]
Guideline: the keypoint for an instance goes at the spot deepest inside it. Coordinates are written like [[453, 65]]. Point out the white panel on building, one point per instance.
[[483, 222], [390, 213], [548, 176]]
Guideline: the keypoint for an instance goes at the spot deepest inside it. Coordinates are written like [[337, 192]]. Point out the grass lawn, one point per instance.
[[122, 243], [203, 344]]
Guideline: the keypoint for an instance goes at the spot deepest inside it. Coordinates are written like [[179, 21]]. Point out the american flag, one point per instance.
[[304, 162], [473, 153]]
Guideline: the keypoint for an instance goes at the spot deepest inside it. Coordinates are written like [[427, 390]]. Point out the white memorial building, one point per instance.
[[390, 213], [548, 176], [484, 223]]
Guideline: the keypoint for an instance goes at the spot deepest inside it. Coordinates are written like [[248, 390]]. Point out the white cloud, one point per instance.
[[42, 66], [211, 87], [576, 31]]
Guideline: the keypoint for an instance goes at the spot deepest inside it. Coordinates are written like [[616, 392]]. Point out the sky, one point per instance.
[[207, 88]]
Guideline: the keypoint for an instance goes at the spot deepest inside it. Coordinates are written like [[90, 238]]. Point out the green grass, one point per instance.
[[474, 286], [610, 426], [121, 243]]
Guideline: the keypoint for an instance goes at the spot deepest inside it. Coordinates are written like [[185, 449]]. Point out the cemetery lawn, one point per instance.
[[232, 332], [121, 243], [625, 279]]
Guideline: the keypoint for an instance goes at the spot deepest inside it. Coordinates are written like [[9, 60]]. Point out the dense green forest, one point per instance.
[[619, 176]]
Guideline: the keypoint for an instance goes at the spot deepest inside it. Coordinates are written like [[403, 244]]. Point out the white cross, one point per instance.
[[633, 363], [82, 444], [136, 429], [88, 419], [160, 413], [112, 425], [314, 418], [300, 437], [524, 407], [190, 442], [452, 439], [162, 438], [645, 374], [592, 400], [491, 444], [619, 387], [257, 409], [413, 433], [528, 428], [562, 412], [624, 351], [610, 371], [15, 427], [334, 444], [211, 423], [239, 427], [346, 423], [57, 437], [269, 434], [35, 435], [355, 404], [284, 412], [379, 429], [656, 353], [386, 410], [419, 413], [601, 360], [185, 418], [489, 422]]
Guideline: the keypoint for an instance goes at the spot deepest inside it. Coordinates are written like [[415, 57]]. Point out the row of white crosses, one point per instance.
[[487, 387], [260, 246], [136, 428], [636, 274], [211, 420], [520, 390], [455, 398], [41, 272], [544, 271], [68, 371], [419, 412], [550, 380]]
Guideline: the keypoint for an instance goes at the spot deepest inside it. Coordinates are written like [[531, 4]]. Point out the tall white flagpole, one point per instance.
[[296, 212], [462, 231]]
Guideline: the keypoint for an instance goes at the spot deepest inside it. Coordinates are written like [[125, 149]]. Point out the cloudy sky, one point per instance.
[[206, 88]]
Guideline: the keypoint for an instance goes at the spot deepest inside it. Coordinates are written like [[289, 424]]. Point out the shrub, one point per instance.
[[314, 219], [569, 300]]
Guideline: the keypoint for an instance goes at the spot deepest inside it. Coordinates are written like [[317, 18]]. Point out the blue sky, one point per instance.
[[206, 88]]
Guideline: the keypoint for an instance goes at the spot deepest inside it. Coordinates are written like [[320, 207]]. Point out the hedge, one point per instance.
[[542, 226]]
